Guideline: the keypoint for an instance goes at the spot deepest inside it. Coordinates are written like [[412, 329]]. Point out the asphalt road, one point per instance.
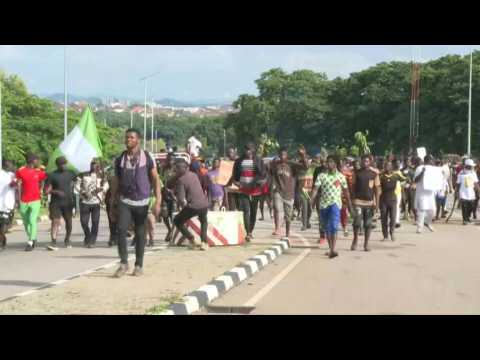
[[430, 273], [21, 271]]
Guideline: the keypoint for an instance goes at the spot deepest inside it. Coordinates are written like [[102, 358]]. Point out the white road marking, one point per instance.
[[274, 282], [83, 273]]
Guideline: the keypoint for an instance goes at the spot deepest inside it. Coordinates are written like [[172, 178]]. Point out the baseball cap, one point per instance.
[[469, 162]]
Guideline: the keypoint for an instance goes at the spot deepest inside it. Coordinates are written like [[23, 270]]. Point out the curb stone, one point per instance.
[[205, 294]]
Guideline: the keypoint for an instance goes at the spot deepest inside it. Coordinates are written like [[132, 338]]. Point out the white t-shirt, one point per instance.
[[467, 179], [446, 172], [7, 193], [194, 146]]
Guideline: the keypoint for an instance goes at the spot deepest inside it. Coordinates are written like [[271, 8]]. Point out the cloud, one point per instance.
[[333, 63]]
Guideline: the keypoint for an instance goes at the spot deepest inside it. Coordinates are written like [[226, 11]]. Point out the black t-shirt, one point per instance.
[[62, 181], [388, 184]]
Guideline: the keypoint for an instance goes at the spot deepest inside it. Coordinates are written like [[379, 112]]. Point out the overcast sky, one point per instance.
[[190, 72]]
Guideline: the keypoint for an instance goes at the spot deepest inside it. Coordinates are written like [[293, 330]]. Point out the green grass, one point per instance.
[[165, 302]]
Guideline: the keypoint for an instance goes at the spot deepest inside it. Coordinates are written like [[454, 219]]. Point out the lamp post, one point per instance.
[[153, 115], [469, 141], [1, 162], [145, 78], [65, 110]]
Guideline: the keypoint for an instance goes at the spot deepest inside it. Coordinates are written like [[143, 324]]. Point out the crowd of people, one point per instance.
[[137, 192]]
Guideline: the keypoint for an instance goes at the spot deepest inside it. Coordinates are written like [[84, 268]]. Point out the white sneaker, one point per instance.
[[419, 231], [204, 246], [429, 227]]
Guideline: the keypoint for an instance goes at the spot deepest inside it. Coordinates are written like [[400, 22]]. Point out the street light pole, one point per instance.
[[145, 119], [1, 162], [153, 116], [470, 108], [145, 110], [65, 110], [131, 119]]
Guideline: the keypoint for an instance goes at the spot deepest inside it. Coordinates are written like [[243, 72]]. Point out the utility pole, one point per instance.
[[1, 162], [224, 143], [153, 116], [65, 101], [145, 110], [469, 142]]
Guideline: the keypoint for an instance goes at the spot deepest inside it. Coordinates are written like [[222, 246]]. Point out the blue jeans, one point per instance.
[[330, 217]]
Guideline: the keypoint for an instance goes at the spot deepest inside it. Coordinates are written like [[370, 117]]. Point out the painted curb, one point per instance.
[[205, 294]]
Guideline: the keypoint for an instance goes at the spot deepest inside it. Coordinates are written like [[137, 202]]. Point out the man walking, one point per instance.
[[194, 202], [92, 189], [366, 198], [59, 185], [305, 185], [424, 198], [467, 187], [389, 181], [331, 184], [30, 177], [168, 198], [135, 175], [283, 174], [249, 176]]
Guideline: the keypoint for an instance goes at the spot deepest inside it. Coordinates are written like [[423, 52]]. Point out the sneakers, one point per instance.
[[52, 246], [303, 228], [138, 271], [322, 241], [309, 226], [429, 227], [345, 233], [68, 244], [29, 247], [204, 246], [397, 225], [91, 245], [419, 231], [122, 270]]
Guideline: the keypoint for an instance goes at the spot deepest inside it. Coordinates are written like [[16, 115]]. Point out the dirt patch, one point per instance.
[[169, 274]]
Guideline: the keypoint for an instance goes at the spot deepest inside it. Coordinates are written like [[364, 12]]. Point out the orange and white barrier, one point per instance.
[[225, 228]]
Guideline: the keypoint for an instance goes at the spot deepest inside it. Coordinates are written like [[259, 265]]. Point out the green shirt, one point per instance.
[[331, 186]]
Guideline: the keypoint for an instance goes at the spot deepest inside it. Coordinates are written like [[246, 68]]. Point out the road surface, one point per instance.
[[22, 271], [430, 273]]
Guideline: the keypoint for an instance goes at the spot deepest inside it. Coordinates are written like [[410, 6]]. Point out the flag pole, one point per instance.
[[469, 143]]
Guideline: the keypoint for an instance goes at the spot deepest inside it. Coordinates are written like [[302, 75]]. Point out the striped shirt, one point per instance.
[[247, 177]]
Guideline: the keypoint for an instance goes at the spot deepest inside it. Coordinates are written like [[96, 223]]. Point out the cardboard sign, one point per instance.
[[421, 153], [433, 178], [225, 172]]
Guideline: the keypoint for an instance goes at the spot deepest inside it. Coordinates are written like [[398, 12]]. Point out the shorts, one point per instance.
[[364, 214], [330, 218], [57, 211], [441, 200], [279, 202], [167, 209]]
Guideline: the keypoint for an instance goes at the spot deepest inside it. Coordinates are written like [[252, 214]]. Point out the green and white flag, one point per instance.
[[81, 145]]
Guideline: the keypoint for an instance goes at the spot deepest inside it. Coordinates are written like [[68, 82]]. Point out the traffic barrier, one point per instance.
[[225, 228]]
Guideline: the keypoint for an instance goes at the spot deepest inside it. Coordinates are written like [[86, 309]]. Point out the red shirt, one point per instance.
[[31, 180]]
